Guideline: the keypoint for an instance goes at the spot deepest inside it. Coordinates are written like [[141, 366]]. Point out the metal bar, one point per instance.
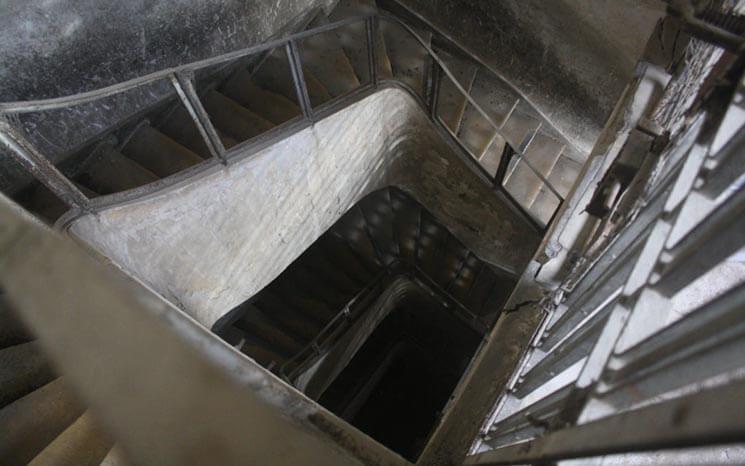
[[40, 167], [718, 236], [703, 418], [433, 87], [520, 152], [298, 78], [571, 350], [535, 415], [184, 85], [504, 162], [371, 27], [509, 114], [458, 272], [728, 166]]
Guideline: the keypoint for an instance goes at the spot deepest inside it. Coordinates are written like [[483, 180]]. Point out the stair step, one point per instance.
[[255, 346], [476, 132], [451, 103], [408, 58], [323, 55], [30, 423], [255, 323], [289, 320], [269, 105], [233, 119], [354, 39], [347, 259], [23, 369], [159, 153], [179, 126], [521, 182], [274, 75], [378, 217], [464, 279], [112, 172], [12, 330], [492, 156], [81, 444], [562, 177], [406, 225]]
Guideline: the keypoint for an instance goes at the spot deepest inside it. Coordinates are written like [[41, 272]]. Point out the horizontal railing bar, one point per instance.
[[702, 418]]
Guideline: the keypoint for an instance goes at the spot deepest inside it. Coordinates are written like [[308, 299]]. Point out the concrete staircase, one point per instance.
[[41, 421], [248, 98], [386, 234]]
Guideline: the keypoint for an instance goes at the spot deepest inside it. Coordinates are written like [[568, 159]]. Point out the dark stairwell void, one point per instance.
[[377, 319]]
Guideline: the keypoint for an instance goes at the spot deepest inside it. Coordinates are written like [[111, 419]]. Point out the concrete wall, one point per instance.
[[215, 240]]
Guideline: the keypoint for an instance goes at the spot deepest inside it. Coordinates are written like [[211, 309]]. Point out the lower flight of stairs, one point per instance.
[[41, 421], [387, 232]]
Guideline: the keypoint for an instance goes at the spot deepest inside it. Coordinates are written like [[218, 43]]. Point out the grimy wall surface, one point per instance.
[[213, 241], [54, 48]]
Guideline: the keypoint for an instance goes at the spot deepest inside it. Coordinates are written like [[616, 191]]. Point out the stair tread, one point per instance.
[[12, 329], [179, 126], [256, 323], [232, 118], [112, 172], [30, 423], [355, 43], [159, 153], [408, 58], [274, 75], [476, 132], [323, 55], [270, 105], [451, 103], [23, 369], [522, 183], [83, 443], [562, 177]]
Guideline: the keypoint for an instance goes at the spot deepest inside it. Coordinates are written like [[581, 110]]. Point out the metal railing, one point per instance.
[[613, 368], [182, 80]]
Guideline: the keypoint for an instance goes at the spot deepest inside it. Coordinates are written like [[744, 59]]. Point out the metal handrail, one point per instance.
[[181, 78]]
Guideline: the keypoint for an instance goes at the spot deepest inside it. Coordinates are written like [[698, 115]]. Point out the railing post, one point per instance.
[[296, 68], [40, 167], [371, 26], [433, 86], [183, 82]]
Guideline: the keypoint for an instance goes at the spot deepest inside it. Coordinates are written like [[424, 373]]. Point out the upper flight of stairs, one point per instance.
[[248, 98]]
